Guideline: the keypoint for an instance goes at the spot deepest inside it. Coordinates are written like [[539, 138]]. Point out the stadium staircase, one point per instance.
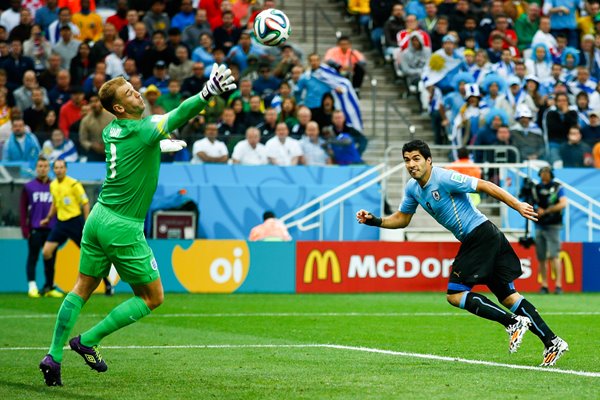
[[330, 20]]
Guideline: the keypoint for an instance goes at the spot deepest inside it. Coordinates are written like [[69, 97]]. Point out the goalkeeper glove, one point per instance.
[[169, 146], [220, 81]]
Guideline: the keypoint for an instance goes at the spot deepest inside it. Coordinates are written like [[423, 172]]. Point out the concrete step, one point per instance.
[[386, 89]]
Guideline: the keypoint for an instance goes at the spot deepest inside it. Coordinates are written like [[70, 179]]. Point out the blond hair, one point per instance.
[[108, 92]]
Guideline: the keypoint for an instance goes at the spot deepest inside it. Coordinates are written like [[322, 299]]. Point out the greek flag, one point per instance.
[[347, 100]]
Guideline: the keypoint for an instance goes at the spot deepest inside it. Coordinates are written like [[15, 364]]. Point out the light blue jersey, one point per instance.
[[445, 198]]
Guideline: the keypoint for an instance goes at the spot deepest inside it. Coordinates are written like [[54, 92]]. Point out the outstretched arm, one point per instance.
[[526, 210], [220, 81], [395, 221]]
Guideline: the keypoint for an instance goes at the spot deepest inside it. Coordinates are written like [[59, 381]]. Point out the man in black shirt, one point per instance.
[[549, 200], [194, 83]]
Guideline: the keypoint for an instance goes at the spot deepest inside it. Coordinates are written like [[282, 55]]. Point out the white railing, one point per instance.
[[301, 223]]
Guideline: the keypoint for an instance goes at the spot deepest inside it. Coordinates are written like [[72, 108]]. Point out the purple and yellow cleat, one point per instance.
[[90, 355]]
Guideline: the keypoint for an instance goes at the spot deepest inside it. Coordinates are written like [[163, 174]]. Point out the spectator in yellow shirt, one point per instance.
[[586, 24], [88, 22]]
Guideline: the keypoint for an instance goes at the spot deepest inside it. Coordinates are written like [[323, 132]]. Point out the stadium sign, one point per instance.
[[212, 266], [323, 261], [342, 267]]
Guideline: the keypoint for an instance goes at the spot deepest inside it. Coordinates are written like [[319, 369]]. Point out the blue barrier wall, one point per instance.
[[232, 198], [591, 267]]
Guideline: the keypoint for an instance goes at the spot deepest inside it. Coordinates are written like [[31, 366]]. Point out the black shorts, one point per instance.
[[69, 229], [485, 257]]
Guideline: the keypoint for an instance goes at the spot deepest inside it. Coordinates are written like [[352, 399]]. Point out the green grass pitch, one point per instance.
[[384, 346]]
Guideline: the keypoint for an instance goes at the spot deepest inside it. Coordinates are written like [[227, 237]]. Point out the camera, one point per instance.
[[526, 241], [526, 194]]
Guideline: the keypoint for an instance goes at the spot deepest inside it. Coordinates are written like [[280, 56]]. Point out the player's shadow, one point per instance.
[[45, 390]]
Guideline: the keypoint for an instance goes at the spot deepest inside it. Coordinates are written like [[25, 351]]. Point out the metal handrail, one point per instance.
[[577, 192], [300, 223], [572, 203], [316, 11], [330, 193], [514, 149], [304, 20], [389, 103]]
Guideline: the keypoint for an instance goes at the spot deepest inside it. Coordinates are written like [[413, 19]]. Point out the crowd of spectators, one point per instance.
[[495, 72], [288, 109]]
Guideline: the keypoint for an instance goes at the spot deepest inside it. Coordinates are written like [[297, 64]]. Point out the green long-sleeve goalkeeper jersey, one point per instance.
[[133, 158]]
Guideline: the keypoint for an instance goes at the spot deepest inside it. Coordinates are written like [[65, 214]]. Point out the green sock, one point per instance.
[[67, 316], [122, 315]]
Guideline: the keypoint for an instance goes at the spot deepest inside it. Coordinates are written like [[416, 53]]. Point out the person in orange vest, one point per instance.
[[271, 229], [75, 5], [466, 166]]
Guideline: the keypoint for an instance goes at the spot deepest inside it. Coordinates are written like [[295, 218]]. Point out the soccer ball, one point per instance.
[[272, 27]]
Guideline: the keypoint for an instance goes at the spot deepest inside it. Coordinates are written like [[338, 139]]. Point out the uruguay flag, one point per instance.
[[347, 100]]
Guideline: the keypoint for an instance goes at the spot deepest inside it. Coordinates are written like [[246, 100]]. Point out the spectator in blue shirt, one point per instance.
[[204, 52], [21, 145], [240, 52], [563, 19], [342, 148], [47, 14], [159, 77], [266, 84], [310, 90], [185, 17]]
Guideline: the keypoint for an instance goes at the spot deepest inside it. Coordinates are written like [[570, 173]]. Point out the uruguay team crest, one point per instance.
[[436, 195]]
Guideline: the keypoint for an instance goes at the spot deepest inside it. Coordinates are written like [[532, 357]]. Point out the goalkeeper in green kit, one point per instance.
[[113, 232]]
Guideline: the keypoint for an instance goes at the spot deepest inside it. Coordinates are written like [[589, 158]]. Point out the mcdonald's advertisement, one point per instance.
[[238, 266], [360, 267]]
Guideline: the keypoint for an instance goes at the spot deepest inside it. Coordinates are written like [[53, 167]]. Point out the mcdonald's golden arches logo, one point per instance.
[[323, 261], [568, 269]]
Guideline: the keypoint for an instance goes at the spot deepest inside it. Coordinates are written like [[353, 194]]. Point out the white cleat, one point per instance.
[[554, 352], [516, 332]]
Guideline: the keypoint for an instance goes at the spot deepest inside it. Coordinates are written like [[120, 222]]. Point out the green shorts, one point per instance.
[[109, 238]]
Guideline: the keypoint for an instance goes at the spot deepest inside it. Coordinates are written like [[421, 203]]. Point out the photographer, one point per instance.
[[549, 200]]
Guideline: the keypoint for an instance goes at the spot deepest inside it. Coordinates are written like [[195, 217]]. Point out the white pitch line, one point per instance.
[[293, 314], [340, 347], [465, 360]]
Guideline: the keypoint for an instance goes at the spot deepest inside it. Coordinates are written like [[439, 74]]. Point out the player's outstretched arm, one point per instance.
[[395, 221], [526, 210], [220, 81]]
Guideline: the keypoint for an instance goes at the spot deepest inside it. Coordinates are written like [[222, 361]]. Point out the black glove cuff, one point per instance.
[[375, 221], [205, 94]]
